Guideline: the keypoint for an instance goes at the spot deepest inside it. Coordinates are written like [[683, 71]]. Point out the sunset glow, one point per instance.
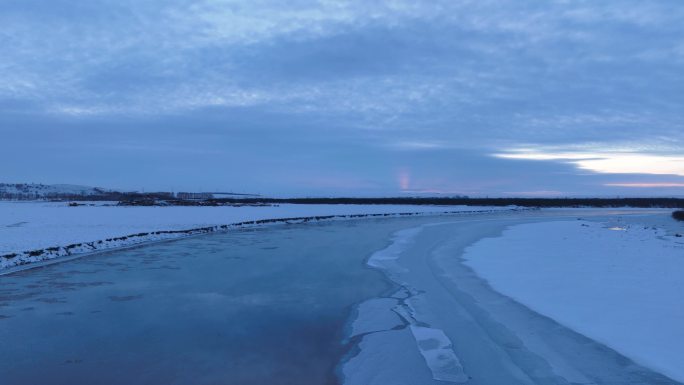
[[645, 185], [607, 162], [404, 180]]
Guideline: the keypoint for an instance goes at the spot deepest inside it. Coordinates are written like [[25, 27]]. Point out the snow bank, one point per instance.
[[36, 231], [619, 285]]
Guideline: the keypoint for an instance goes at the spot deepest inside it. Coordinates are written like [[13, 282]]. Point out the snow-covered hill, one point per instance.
[[28, 191]]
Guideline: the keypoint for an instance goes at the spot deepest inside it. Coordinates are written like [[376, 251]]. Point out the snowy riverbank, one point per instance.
[[38, 231], [598, 282], [619, 284]]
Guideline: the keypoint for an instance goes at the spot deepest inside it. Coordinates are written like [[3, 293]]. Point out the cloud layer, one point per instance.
[[366, 88]]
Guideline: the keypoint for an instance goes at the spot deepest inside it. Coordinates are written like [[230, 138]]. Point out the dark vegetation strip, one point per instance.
[[453, 201], [153, 198], [525, 202]]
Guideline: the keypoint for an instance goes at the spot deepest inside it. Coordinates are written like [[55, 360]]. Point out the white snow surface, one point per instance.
[[437, 350], [619, 285], [45, 190], [386, 258], [26, 226]]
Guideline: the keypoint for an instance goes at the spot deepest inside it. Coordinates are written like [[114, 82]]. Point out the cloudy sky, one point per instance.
[[485, 98]]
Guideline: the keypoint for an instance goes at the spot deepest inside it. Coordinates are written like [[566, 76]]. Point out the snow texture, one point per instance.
[[386, 258], [42, 191], [439, 355], [620, 285]]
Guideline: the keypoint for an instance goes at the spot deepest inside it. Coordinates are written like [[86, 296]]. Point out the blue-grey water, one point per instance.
[[263, 306]]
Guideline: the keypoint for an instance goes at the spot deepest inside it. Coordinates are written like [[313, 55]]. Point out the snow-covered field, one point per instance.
[[563, 296], [43, 190], [618, 284], [30, 226]]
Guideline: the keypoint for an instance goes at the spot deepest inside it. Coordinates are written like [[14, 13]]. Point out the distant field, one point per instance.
[[37, 226]]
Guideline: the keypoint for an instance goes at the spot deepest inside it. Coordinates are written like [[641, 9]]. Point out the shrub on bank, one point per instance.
[[678, 215]]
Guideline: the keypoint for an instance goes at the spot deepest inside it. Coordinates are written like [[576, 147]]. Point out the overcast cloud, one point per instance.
[[508, 97]]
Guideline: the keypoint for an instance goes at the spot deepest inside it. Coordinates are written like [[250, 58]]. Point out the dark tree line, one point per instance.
[[167, 198], [525, 202]]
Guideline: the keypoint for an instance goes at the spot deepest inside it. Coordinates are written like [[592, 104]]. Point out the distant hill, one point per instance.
[[33, 191]]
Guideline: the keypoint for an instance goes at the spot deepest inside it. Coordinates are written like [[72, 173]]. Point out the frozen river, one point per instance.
[[244, 307], [274, 305]]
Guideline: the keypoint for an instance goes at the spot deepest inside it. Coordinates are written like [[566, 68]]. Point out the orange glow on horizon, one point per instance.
[[606, 162], [404, 179], [645, 185]]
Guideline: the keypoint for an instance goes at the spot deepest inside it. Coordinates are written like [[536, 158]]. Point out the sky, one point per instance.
[[348, 98]]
